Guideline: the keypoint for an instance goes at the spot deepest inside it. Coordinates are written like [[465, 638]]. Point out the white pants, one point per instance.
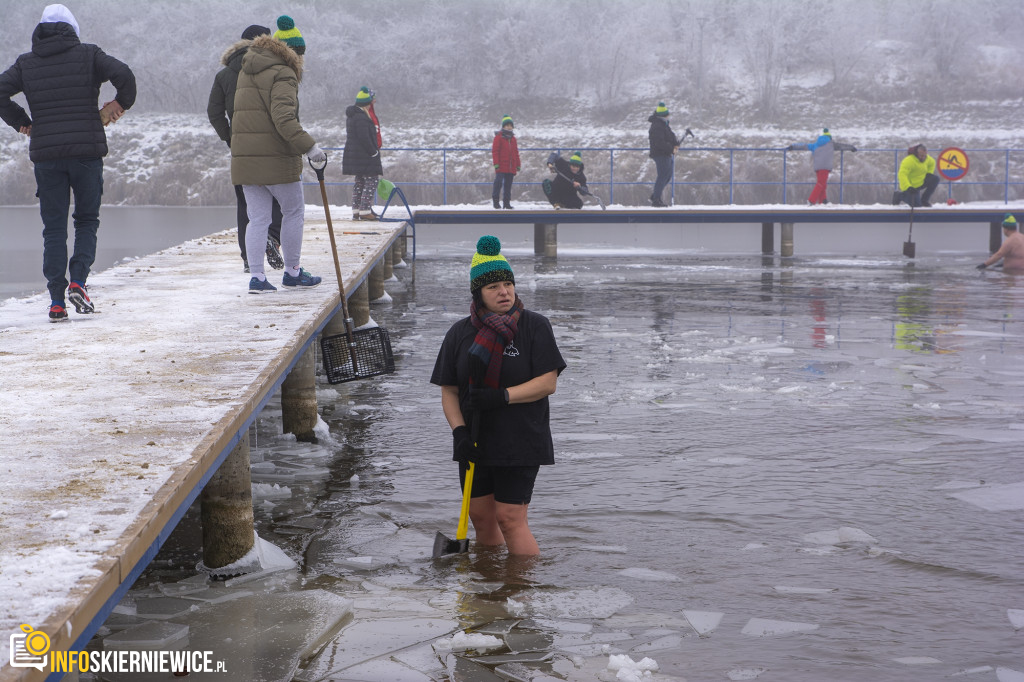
[[259, 200]]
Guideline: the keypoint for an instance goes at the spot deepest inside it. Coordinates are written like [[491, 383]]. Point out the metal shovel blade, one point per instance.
[[908, 249], [444, 546]]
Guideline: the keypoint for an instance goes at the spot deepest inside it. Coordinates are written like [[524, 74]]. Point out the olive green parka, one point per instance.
[[267, 140]]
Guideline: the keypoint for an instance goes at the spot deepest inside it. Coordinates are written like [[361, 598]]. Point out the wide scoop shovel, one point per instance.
[[443, 546]]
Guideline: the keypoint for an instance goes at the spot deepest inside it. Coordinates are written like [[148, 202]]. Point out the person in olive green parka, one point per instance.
[[267, 144]]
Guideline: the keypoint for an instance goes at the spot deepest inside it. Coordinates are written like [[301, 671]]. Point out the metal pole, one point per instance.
[[731, 153], [444, 177], [611, 176]]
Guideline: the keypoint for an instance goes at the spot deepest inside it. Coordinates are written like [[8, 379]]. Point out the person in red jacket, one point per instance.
[[505, 153]]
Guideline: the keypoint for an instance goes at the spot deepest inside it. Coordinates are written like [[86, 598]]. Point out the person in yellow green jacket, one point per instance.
[[917, 178]]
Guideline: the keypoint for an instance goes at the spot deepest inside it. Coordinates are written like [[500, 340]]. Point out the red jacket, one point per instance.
[[505, 153]]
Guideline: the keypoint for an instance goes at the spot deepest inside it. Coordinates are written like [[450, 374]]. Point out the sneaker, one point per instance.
[[274, 254], [80, 299], [57, 312], [304, 279], [260, 286]]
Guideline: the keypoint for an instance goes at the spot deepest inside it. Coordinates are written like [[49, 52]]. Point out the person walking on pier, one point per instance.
[[823, 153], [505, 155], [916, 177], [1012, 250], [563, 191], [496, 369], [61, 80], [664, 145], [220, 109], [362, 153], [267, 144]]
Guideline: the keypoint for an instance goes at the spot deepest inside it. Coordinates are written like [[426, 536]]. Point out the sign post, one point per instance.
[[952, 165]]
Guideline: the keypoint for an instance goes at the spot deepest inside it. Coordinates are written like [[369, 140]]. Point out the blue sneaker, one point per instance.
[[257, 286], [304, 279]]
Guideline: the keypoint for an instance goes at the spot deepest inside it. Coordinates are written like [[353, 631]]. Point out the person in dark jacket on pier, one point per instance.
[[267, 146], [823, 153], [505, 155], [563, 191], [61, 80], [362, 153], [220, 109], [664, 145]]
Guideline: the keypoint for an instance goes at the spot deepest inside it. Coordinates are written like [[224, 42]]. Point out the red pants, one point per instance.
[[819, 195]]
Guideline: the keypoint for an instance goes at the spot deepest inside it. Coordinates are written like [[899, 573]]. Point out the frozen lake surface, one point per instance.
[[804, 471]]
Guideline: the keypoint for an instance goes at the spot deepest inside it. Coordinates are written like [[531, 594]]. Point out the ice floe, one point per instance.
[[764, 627]]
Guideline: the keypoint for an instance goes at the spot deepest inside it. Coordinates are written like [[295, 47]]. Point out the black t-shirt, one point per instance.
[[520, 434]]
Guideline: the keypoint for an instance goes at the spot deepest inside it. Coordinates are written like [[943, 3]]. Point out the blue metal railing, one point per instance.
[[702, 175]]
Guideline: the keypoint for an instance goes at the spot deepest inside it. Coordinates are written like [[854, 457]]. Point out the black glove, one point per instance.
[[982, 266], [853, 149], [463, 446], [484, 399], [791, 148]]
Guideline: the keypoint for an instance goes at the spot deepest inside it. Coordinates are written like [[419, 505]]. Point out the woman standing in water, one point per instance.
[[498, 366]]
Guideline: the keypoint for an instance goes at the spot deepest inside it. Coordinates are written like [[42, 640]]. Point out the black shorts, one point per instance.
[[509, 485]]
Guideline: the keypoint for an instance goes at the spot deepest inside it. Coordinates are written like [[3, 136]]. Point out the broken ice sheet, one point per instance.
[[466, 641], [599, 602], [745, 673], [162, 608], [638, 573], [787, 589], [764, 627], [841, 535], [1009, 497], [190, 585], [1016, 617], [148, 636], [362, 563], [917, 660], [703, 622]]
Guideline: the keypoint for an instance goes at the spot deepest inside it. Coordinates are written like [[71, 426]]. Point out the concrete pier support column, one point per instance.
[[298, 398], [389, 265], [359, 306], [787, 240], [995, 236], [226, 509], [545, 240], [396, 253], [376, 280], [404, 241], [767, 238]]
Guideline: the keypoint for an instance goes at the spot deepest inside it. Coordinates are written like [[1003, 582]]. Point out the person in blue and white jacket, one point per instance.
[[823, 152]]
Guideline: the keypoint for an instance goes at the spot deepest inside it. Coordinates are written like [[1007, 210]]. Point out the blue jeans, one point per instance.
[[664, 166], [55, 181]]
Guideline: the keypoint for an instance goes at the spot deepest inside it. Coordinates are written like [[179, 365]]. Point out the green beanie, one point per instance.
[[576, 159], [826, 132], [488, 264], [365, 96], [1009, 222], [287, 32], [661, 110], [506, 120]]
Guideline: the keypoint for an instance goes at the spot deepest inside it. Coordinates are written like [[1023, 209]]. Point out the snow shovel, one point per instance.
[[354, 354], [460, 545], [908, 246]]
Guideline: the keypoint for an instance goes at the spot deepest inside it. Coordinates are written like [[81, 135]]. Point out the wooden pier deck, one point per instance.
[[112, 422]]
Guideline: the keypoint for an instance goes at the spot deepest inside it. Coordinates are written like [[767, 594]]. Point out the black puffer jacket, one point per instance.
[[61, 79], [361, 155], [563, 192], [663, 140], [221, 107]]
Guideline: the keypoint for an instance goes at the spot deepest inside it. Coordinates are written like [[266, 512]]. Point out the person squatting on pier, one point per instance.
[[496, 369], [569, 180], [823, 154], [917, 178], [267, 144], [61, 80], [1012, 249], [362, 153], [505, 155], [220, 109]]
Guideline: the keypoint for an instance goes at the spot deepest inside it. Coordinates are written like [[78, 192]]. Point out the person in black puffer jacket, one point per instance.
[[362, 153], [220, 110], [61, 80]]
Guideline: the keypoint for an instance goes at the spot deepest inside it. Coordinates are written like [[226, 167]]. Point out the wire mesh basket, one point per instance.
[[370, 355]]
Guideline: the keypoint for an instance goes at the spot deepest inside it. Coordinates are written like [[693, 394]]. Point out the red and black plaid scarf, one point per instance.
[[493, 332]]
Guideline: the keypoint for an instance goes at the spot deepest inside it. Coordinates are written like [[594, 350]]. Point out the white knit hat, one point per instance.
[[54, 13]]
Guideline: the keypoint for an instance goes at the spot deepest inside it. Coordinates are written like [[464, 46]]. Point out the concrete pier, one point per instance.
[[226, 509], [298, 398], [545, 239]]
